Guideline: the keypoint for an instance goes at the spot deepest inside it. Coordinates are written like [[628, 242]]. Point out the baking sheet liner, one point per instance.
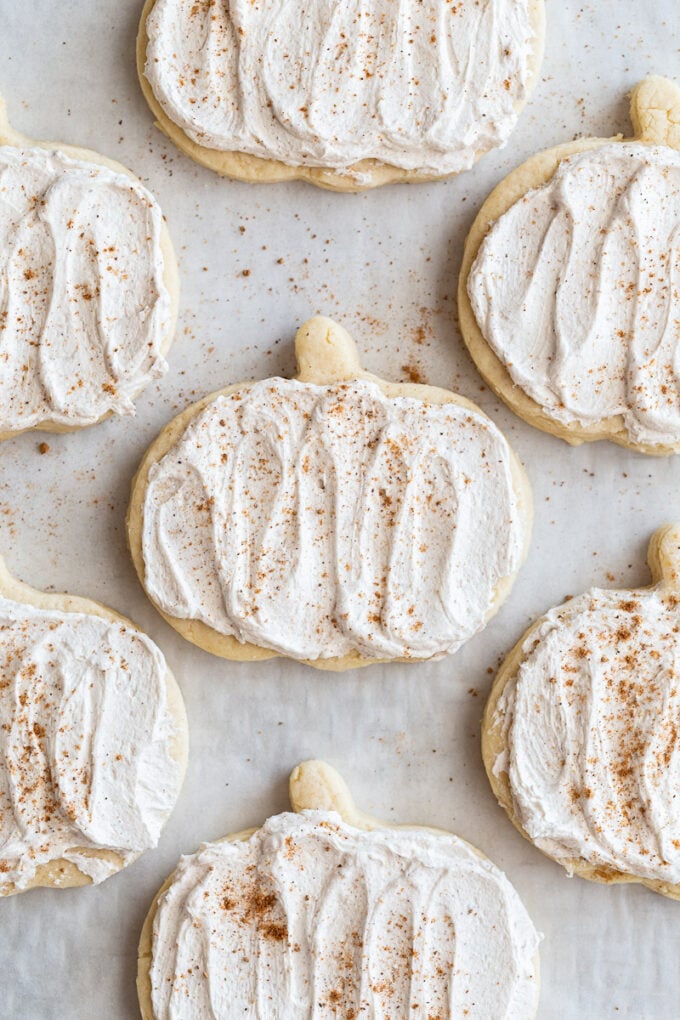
[[255, 262]]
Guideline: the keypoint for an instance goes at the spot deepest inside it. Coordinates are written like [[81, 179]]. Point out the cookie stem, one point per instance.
[[8, 136], [316, 786], [655, 111], [5, 130], [664, 556], [325, 352]]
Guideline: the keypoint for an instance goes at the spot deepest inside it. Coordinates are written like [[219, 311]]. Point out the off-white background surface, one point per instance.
[[406, 737]]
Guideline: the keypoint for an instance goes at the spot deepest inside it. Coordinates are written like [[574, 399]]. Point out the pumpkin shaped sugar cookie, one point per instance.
[[581, 734], [568, 297], [88, 286], [345, 95], [93, 745], [327, 912], [334, 518]]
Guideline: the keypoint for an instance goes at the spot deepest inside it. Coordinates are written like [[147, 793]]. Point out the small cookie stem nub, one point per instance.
[[5, 129], [316, 786], [664, 556], [325, 352], [655, 111]]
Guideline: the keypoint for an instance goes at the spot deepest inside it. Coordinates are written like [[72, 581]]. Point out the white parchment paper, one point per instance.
[[255, 262]]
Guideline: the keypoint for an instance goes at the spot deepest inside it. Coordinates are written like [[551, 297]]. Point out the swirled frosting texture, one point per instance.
[[417, 85], [84, 310], [318, 520], [592, 722], [575, 288], [85, 743], [311, 918]]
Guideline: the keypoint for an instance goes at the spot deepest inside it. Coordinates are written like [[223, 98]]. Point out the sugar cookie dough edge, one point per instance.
[[9, 136], [533, 173], [229, 647], [258, 170], [61, 873], [347, 810], [494, 743]]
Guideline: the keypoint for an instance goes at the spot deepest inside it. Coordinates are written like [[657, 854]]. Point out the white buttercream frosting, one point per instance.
[[575, 288], [86, 739], [318, 520], [84, 310], [592, 722], [312, 918], [417, 85]]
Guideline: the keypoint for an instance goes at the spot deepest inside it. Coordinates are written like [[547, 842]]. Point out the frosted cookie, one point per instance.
[[567, 295], [331, 913], [345, 95], [88, 286], [93, 745], [333, 518], [581, 732]]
